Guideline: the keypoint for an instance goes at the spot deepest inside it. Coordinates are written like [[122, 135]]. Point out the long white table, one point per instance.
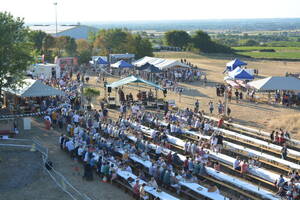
[[257, 141], [250, 152], [151, 190], [220, 176]]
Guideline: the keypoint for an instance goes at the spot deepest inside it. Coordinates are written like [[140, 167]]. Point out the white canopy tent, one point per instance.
[[276, 83], [160, 63], [34, 88]]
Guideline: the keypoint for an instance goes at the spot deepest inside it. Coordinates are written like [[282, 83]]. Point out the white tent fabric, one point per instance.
[[160, 63], [276, 83], [34, 88]]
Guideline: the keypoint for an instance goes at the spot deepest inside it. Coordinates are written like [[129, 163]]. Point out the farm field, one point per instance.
[[291, 52]]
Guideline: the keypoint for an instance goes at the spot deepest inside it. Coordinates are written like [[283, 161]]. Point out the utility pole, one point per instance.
[[55, 4]]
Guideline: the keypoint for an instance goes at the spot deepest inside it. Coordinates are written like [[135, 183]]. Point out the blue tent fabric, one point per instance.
[[147, 67], [133, 79], [122, 64], [100, 61], [234, 64], [240, 74]]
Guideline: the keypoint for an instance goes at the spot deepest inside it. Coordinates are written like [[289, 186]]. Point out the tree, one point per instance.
[[251, 43], [177, 38], [111, 41], [140, 46], [84, 57], [83, 45], [122, 41], [90, 93], [15, 50], [37, 37], [71, 46], [48, 43], [202, 41]]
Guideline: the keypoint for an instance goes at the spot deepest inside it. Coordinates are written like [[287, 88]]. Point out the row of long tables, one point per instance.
[[218, 175]]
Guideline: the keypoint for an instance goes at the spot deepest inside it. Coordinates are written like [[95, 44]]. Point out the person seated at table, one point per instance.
[[145, 156], [175, 182], [281, 139], [217, 166], [244, 167], [213, 189], [153, 183], [176, 160], [236, 164], [142, 175]]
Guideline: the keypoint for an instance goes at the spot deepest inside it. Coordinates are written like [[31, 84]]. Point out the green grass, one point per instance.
[[257, 48], [272, 55]]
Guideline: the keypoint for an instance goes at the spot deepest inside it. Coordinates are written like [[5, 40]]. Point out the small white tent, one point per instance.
[[276, 83], [160, 63], [34, 88]]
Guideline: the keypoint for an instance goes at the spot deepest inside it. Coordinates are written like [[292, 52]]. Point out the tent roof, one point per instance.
[[121, 64], [100, 61], [276, 83], [159, 63], [234, 64], [149, 68], [240, 74], [132, 79], [35, 88]]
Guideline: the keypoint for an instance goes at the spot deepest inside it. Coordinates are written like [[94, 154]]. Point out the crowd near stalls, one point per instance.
[[147, 97], [271, 89]]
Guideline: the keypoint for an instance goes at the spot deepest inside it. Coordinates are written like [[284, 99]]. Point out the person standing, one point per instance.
[[211, 107], [236, 96], [197, 104], [284, 152]]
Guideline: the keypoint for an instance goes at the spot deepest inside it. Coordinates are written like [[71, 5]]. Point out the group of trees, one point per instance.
[[199, 41], [122, 41], [50, 46]]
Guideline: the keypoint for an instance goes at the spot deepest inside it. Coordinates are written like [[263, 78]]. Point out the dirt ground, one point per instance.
[[21, 175], [259, 115]]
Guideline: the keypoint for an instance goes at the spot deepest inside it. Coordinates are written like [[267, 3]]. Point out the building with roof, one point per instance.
[[74, 31]]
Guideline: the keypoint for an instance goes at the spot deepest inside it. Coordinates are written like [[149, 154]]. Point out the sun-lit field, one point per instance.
[[260, 115]]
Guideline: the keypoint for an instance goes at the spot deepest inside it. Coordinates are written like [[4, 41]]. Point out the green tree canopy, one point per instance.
[[122, 41], [15, 50], [37, 37], [140, 46], [177, 38], [71, 46]]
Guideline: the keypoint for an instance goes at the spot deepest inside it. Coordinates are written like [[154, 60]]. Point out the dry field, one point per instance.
[[261, 115]]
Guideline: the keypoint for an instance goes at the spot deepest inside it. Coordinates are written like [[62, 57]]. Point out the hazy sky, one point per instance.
[[123, 10]]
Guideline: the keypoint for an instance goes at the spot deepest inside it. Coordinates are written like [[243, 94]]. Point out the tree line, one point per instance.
[[200, 41]]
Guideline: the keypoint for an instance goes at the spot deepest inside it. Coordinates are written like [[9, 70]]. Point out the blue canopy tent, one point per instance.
[[234, 64], [122, 64], [101, 61], [240, 74]]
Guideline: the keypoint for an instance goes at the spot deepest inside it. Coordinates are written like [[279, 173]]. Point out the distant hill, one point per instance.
[[238, 25]]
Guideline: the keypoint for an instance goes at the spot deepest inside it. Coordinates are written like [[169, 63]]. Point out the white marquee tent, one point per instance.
[[160, 63], [34, 88], [276, 83]]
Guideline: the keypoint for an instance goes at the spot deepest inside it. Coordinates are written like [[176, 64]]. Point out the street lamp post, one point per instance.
[[55, 4]]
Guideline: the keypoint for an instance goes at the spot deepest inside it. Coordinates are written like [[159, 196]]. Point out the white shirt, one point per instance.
[[158, 150], [70, 145], [76, 118]]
